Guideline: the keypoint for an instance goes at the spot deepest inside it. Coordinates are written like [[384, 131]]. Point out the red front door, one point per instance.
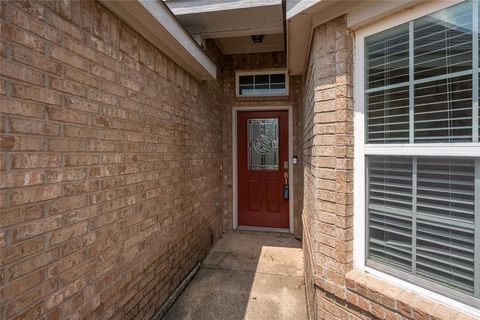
[[262, 143]]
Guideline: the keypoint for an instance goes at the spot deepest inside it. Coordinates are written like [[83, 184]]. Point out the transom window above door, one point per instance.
[[261, 83]]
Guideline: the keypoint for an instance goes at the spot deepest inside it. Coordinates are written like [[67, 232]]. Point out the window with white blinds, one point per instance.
[[421, 218], [423, 212], [419, 79]]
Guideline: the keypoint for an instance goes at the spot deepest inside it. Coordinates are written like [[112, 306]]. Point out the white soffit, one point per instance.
[[231, 23], [304, 15], [155, 22], [242, 45], [182, 7], [374, 10], [234, 22]]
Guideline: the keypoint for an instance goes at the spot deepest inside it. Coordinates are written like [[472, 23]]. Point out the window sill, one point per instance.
[[386, 300]]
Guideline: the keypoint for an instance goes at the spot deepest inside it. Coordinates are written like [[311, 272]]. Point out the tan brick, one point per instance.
[[443, 312], [406, 302]]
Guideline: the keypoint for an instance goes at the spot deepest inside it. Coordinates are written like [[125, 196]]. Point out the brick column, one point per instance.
[[328, 163]]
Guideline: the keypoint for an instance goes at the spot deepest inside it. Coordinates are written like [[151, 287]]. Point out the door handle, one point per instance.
[[285, 187]]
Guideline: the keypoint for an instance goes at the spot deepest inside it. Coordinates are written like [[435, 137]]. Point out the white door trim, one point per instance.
[[235, 110]]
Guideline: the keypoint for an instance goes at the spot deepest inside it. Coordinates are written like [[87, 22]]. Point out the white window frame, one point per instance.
[[258, 72], [361, 150]]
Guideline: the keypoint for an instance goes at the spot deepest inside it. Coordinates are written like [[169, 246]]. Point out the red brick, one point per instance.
[[35, 160], [17, 287], [20, 72], [67, 145], [35, 263], [35, 194], [23, 214], [66, 86], [58, 114], [37, 60], [35, 127], [26, 39], [21, 178], [32, 296], [80, 132], [24, 249], [22, 143], [31, 313], [22, 108], [37, 227], [90, 109], [35, 94], [65, 56]]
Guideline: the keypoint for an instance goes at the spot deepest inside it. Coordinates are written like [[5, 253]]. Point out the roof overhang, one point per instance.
[[305, 15], [231, 23], [156, 23]]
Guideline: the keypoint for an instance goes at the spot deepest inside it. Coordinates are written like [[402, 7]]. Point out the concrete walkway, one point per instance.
[[246, 276]]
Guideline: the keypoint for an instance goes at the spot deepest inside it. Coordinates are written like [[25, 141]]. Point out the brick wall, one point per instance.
[[327, 150], [334, 289], [257, 61], [110, 181]]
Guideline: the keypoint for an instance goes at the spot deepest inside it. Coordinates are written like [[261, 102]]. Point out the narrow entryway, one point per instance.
[[247, 275]]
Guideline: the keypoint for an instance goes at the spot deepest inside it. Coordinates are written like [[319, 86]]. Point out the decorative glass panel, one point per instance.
[[263, 144]]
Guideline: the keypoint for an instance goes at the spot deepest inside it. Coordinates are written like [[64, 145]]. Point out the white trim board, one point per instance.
[[361, 150], [235, 110]]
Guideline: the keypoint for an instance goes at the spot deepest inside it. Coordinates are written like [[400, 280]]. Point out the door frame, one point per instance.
[[235, 111]]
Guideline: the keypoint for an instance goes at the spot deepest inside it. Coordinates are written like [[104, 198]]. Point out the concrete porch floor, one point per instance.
[[247, 275]]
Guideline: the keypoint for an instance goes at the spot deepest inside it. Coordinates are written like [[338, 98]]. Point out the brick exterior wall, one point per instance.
[[257, 61], [110, 181], [334, 289], [327, 149]]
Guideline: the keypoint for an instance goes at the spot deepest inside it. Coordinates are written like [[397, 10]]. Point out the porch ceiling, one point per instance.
[[231, 23]]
